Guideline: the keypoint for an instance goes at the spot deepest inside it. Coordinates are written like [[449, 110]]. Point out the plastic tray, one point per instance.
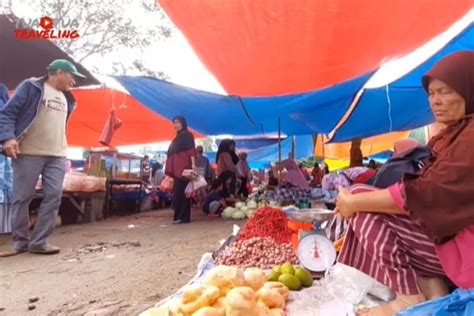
[[310, 215]]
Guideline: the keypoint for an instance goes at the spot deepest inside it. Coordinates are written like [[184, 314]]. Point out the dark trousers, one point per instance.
[[244, 191], [181, 204]]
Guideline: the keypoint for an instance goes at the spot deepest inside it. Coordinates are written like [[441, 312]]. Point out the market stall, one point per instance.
[[82, 198], [124, 173], [270, 266], [108, 180]]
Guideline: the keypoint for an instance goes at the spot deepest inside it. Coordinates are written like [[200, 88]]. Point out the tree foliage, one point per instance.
[[108, 26]]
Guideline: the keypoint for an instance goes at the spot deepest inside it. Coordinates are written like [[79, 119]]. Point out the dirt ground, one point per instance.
[[119, 266]]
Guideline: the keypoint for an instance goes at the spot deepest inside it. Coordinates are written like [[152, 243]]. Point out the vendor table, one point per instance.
[[80, 202], [109, 191]]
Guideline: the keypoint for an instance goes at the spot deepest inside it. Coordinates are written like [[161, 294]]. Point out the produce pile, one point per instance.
[[287, 196], [267, 222], [97, 168], [127, 188], [230, 291], [241, 210], [262, 252], [294, 277]]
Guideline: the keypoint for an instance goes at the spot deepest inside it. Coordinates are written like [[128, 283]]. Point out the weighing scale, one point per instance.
[[315, 251]]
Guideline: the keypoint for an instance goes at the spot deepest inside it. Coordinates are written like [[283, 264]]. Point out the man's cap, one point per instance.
[[65, 65]]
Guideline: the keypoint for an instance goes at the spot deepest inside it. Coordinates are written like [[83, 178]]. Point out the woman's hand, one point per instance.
[[344, 203]]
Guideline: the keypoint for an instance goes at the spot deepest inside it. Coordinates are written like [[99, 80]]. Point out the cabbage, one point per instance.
[[249, 212], [227, 213], [252, 204], [244, 208], [238, 215], [239, 204]]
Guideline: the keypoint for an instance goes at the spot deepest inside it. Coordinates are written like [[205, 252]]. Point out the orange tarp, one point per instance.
[[370, 146], [140, 125], [272, 47]]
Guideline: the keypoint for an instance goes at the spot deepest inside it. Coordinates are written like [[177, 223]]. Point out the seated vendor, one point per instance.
[[220, 191], [215, 203], [415, 234], [295, 175], [272, 180]]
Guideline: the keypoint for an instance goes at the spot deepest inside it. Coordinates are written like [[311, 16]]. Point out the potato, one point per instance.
[[254, 278], [280, 287], [271, 297], [277, 312], [207, 311], [225, 278]]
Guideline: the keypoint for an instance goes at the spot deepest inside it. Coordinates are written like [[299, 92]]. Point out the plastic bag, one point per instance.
[[459, 303], [80, 182], [167, 184], [354, 285], [194, 185]]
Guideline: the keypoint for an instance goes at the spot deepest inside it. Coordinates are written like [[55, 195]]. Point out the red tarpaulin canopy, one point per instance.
[[271, 47], [140, 125]]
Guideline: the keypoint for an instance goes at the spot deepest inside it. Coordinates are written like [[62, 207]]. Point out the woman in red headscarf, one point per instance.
[[411, 236]]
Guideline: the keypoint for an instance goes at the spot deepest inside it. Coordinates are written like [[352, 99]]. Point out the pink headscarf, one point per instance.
[[403, 145]]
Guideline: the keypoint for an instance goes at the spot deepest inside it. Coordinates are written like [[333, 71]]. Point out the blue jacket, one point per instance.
[[20, 111], [3, 95]]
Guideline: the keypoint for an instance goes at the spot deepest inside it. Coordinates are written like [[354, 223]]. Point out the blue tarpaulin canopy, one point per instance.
[[401, 105], [301, 114]]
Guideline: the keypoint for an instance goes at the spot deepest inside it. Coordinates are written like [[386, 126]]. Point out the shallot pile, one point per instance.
[[261, 252], [267, 222]]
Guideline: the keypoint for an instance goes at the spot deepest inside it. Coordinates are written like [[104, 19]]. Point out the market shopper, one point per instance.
[[245, 175], [33, 134], [415, 233], [317, 175], [181, 156], [227, 160], [146, 169], [203, 163], [326, 169], [157, 174], [204, 167]]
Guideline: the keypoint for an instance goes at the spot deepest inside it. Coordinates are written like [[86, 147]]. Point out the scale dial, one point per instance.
[[316, 253]]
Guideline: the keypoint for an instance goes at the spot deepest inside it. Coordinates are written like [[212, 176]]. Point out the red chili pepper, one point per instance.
[[267, 222]]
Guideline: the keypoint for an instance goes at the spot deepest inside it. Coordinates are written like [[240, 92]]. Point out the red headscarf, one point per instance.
[[441, 197]]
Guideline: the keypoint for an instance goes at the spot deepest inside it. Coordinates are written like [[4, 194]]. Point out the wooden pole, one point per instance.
[[322, 146], [279, 150], [293, 146]]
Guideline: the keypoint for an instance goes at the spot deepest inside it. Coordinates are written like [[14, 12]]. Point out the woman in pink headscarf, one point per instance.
[[294, 176]]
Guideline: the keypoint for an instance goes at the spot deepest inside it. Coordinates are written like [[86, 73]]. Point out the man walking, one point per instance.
[[33, 134]]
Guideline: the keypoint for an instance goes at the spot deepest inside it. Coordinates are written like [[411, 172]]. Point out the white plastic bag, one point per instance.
[[354, 285], [194, 185]]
